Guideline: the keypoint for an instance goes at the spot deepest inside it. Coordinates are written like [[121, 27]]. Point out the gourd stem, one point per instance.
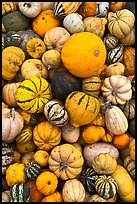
[[49, 66], [12, 113]]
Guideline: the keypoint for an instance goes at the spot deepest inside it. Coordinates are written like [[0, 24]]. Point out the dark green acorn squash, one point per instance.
[[12, 39]]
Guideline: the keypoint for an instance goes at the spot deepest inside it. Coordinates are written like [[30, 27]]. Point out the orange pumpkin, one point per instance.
[[87, 9], [121, 141]]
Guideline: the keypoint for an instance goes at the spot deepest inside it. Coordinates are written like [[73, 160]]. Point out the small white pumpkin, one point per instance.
[[30, 9], [102, 9], [73, 23]]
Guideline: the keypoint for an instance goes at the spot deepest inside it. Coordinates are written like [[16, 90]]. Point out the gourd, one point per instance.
[[44, 22], [17, 156], [46, 182], [12, 124], [76, 191], [32, 169], [7, 156], [129, 164], [121, 141], [117, 89], [32, 94], [30, 9], [129, 60], [102, 9], [132, 149], [126, 191], [20, 192], [66, 161], [27, 157], [115, 54], [6, 196], [27, 147], [108, 137], [82, 108], [12, 38], [41, 157], [129, 39], [83, 43], [46, 5], [62, 9], [54, 197], [48, 139], [110, 41], [56, 37], [51, 59], [15, 174], [129, 109], [87, 9], [33, 67], [12, 59], [8, 7], [97, 198], [35, 47], [116, 6], [122, 20], [115, 69], [25, 134], [99, 120]]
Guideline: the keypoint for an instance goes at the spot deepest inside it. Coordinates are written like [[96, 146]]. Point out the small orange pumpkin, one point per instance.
[[121, 141]]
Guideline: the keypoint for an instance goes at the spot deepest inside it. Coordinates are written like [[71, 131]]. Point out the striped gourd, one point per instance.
[[25, 135], [33, 94], [106, 186], [55, 113], [129, 164], [129, 109], [91, 85], [62, 9], [82, 108], [110, 41], [88, 177], [20, 192], [115, 54], [32, 169]]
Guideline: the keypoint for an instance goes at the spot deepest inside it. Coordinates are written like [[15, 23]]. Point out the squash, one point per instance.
[[17, 156], [115, 54], [129, 109], [116, 68], [32, 94], [83, 43], [33, 67], [25, 134], [56, 37], [90, 151], [102, 9], [15, 174], [108, 137], [116, 6], [12, 124], [82, 108], [76, 191], [129, 164], [99, 120], [33, 169], [12, 59], [87, 9], [46, 182], [46, 5], [47, 139], [51, 59], [30, 9], [45, 21], [62, 9], [129, 60], [15, 21], [127, 191], [66, 161], [129, 39], [8, 7], [110, 41], [117, 89], [132, 149], [54, 197], [6, 196], [131, 127], [20, 192], [12, 38], [106, 186], [35, 47], [27, 157], [120, 23], [27, 147], [41, 157]]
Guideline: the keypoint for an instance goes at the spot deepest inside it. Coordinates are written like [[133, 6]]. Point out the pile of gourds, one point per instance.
[[68, 101]]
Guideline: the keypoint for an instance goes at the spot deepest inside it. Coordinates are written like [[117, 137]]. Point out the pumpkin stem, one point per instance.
[[49, 66], [12, 113], [63, 165], [104, 106]]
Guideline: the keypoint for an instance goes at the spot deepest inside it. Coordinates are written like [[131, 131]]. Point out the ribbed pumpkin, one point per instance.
[[47, 139], [84, 54], [20, 192], [129, 164], [106, 186], [62, 9], [32, 94], [41, 157], [25, 134], [82, 108], [30, 9], [32, 169]]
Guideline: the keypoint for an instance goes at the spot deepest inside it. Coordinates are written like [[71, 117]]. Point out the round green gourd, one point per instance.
[[32, 169]]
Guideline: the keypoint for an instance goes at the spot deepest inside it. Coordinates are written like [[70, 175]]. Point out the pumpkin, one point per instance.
[[102, 9], [95, 25], [32, 169], [12, 59], [30, 9], [120, 23], [54, 197], [7, 156], [27, 147], [15, 173], [73, 23], [51, 59], [127, 191], [106, 186], [116, 121], [15, 21], [129, 164], [91, 85], [131, 127], [108, 137], [48, 139], [76, 191], [87, 9], [6, 196], [99, 120], [110, 41], [88, 177], [129, 39], [12, 38], [116, 6], [46, 5], [129, 60], [70, 133], [82, 108], [129, 109], [132, 149], [117, 89], [20, 192], [8, 7], [41, 157], [17, 156], [104, 163], [32, 94], [27, 157], [25, 134], [92, 133], [45, 21], [115, 54], [12, 124], [62, 9], [33, 67], [35, 47], [83, 43], [46, 182], [66, 161], [56, 37], [115, 69]]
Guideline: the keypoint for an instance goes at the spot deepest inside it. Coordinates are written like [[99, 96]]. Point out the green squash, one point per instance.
[[20, 192], [12, 39], [32, 169]]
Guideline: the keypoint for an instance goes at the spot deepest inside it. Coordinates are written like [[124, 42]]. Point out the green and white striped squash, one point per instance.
[[129, 164], [33, 94], [20, 192], [115, 54], [129, 109], [32, 169], [25, 135], [110, 41]]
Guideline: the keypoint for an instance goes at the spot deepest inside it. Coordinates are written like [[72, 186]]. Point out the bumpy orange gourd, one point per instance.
[[87, 9]]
